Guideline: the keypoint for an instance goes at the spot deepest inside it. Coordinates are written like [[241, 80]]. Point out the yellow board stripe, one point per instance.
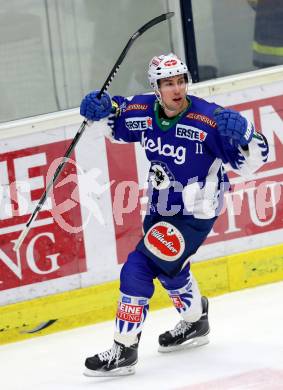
[[267, 50], [98, 303]]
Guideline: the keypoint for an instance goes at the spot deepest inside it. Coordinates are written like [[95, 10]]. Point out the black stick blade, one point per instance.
[[153, 22]]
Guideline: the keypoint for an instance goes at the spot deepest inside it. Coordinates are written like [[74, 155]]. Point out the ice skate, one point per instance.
[[117, 361], [186, 334]]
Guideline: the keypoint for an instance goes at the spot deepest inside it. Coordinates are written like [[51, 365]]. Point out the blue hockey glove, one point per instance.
[[232, 124], [93, 108]]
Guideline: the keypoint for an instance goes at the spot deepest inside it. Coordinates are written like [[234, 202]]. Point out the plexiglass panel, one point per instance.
[[53, 52], [237, 36]]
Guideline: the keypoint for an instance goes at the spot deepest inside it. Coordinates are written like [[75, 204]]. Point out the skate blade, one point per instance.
[[121, 371], [192, 343]]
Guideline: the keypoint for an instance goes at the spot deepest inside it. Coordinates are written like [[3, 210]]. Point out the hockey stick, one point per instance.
[[70, 149]]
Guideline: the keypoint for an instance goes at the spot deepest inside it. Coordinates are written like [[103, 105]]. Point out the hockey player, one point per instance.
[[187, 140]]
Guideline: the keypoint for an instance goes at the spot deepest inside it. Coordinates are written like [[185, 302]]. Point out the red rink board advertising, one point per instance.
[[253, 206], [49, 251]]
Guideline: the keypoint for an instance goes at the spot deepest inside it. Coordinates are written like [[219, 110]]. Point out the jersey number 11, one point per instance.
[[199, 148]]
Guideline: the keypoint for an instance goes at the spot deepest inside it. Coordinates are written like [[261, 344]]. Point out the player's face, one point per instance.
[[173, 92]]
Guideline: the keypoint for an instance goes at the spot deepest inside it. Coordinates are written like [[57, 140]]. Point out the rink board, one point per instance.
[[66, 272], [95, 304]]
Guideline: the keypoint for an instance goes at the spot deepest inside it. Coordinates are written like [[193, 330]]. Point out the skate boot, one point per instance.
[[186, 334], [116, 361]]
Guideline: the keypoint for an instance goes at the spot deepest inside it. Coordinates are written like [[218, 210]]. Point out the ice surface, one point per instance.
[[245, 351]]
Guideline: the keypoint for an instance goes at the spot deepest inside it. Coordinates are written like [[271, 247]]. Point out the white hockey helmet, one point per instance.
[[166, 65]]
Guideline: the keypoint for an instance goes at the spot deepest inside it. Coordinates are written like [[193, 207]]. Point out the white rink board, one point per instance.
[[26, 277]]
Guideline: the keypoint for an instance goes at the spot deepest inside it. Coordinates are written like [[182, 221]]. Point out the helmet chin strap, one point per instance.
[[163, 105]]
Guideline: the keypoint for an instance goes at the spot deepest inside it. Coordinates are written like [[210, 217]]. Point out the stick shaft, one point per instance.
[[70, 149]]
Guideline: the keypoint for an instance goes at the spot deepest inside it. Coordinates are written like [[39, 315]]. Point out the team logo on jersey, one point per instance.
[[138, 107], [202, 118], [191, 133], [165, 241], [160, 175], [139, 123], [178, 153]]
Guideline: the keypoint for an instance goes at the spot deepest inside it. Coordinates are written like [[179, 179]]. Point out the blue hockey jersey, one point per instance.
[[186, 154]]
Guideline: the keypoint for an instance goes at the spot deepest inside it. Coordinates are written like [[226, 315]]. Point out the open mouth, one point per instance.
[[177, 100]]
